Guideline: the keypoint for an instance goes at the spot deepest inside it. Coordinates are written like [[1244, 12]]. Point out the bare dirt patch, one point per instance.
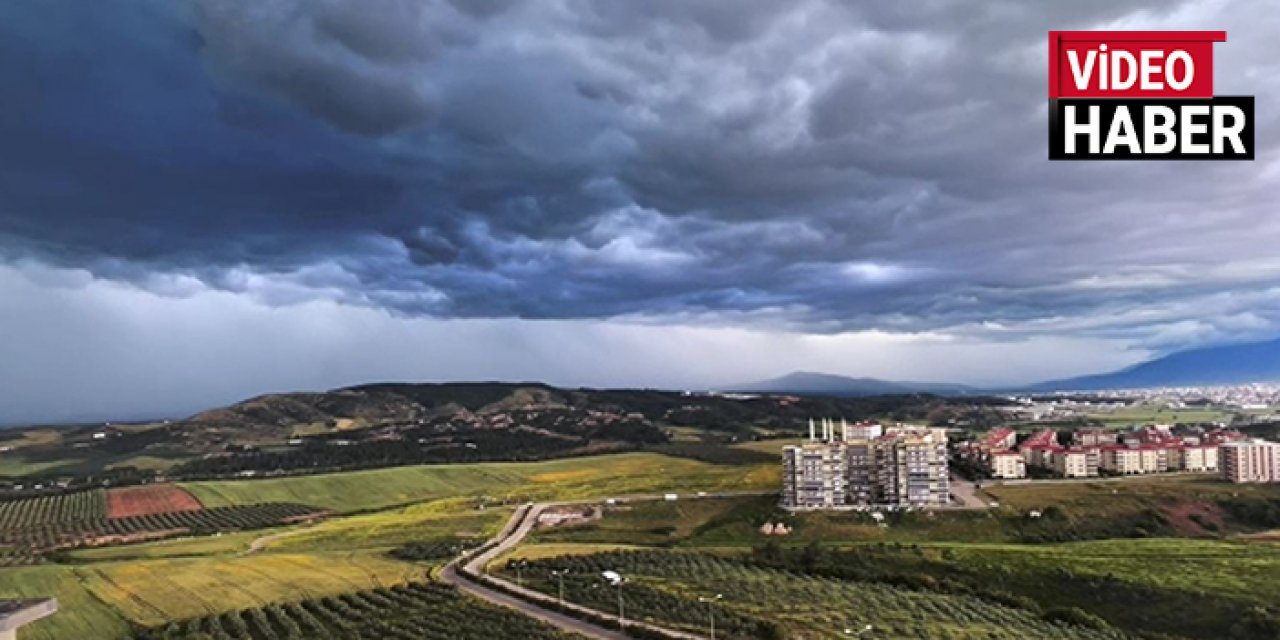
[[149, 499], [1195, 518]]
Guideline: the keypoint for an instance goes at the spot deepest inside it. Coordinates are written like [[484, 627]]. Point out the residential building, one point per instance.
[[1194, 457], [1077, 462], [993, 453], [1155, 458], [1093, 438], [864, 430], [1135, 459], [1001, 439], [1037, 450], [1121, 459], [1006, 465], [813, 475], [899, 466], [1250, 461], [911, 468]]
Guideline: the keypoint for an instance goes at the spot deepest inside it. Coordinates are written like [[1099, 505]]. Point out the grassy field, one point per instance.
[[769, 446], [704, 522], [102, 590], [596, 476], [99, 600], [1158, 414], [155, 591], [13, 464], [227, 543], [1233, 569], [1084, 510], [80, 613], [451, 518]]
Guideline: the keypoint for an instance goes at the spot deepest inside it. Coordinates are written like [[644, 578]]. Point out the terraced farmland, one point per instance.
[[33, 526], [415, 611], [46, 537], [762, 603], [53, 509]]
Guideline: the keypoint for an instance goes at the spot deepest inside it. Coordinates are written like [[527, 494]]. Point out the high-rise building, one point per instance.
[[898, 466], [813, 475], [1250, 461]]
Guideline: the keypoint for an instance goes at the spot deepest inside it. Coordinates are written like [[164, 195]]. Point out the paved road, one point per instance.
[[514, 531], [966, 494], [519, 526]]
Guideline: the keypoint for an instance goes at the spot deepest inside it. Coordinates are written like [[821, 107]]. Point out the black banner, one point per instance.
[[1218, 128]]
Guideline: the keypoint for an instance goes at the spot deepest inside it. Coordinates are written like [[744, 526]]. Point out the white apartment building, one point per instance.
[[813, 475], [1077, 463], [901, 466], [1250, 461], [1007, 465], [1194, 457]]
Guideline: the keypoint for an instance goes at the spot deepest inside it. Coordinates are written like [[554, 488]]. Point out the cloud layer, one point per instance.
[[80, 348], [809, 167]]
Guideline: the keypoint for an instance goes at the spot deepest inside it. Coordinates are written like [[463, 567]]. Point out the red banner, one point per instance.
[[1132, 64]]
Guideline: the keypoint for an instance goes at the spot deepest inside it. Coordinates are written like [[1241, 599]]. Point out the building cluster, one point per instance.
[[1255, 396], [1250, 461], [866, 465], [1092, 452]]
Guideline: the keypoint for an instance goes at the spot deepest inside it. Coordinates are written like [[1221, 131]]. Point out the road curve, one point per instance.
[[519, 526]]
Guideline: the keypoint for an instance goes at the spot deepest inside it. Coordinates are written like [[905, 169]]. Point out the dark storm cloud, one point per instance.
[[819, 165]]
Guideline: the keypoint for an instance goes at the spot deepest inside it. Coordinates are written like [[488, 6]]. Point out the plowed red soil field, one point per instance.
[[149, 499]]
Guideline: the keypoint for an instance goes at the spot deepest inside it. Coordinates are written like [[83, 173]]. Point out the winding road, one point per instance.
[[519, 526]]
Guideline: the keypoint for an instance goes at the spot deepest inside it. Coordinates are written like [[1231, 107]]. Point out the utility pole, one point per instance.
[[559, 574], [622, 616], [711, 611], [616, 580]]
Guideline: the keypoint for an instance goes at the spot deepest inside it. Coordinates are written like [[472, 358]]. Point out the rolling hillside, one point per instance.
[[392, 424]]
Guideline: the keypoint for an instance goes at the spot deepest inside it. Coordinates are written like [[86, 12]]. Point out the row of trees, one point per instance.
[[67, 508], [681, 589], [55, 535], [414, 611]]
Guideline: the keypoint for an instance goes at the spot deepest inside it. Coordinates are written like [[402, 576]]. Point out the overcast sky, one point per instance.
[[205, 200]]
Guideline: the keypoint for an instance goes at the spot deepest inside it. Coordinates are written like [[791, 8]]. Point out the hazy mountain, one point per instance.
[[1232, 364], [807, 382]]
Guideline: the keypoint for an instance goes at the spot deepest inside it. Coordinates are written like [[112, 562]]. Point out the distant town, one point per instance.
[[1092, 452], [868, 465]]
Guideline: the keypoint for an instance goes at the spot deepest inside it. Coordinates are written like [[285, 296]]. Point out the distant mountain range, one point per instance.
[[807, 382], [1231, 364]]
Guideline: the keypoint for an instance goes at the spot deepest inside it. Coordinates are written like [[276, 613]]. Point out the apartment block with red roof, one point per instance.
[[1077, 462], [1194, 457], [1093, 438], [1006, 465], [1038, 450], [1001, 439]]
